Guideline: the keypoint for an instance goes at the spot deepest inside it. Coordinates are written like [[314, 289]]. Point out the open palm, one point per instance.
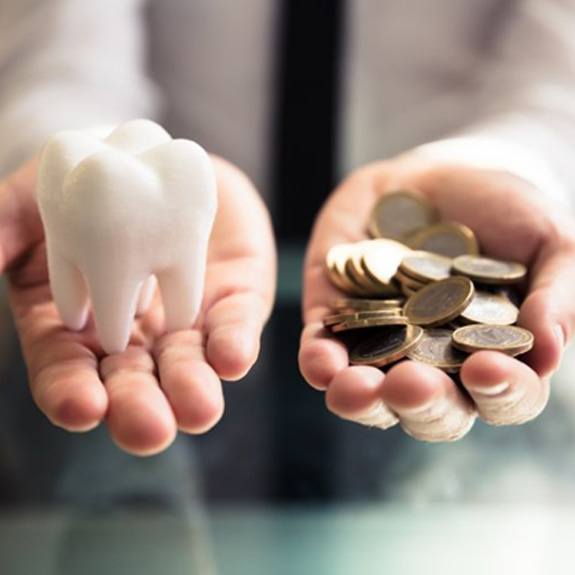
[[511, 222], [162, 382]]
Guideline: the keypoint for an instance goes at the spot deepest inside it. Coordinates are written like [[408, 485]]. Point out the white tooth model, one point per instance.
[[117, 214]]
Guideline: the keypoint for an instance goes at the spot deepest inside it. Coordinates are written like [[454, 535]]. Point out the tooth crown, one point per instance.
[[117, 212]]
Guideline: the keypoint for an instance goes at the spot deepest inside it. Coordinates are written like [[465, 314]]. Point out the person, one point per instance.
[[493, 103]]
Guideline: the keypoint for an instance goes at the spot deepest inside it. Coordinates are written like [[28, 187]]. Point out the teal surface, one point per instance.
[[321, 541]]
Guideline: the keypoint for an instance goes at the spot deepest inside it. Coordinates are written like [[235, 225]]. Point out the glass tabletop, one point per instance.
[[282, 486]]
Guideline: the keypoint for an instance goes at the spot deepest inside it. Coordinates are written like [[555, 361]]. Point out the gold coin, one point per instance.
[[398, 214], [409, 282], [336, 259], [336, 318], [407, 291], [359, 278], [371, 322], [488, 270], [367, 304], [343, 283], [385, 346], [435, 348], [426, 267], [449, 239], [357, 274], [380, 259], [438, 303], [491, 308], [508, 339], [389, 311]]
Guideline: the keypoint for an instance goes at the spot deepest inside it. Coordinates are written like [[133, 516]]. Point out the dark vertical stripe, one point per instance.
[[305, 144], [307, 110]]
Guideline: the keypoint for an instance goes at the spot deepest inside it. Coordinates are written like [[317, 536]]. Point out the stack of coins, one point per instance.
[[419, 289]]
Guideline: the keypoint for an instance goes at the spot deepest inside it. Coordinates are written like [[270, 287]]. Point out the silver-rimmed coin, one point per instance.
[[385, 346], [508, 339], [490, 308], [440, 302], [489, 270], [426, 267], [435, 348], [398, 214]]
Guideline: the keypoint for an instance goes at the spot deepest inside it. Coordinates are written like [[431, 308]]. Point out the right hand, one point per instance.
[[162, 382], [511, 222]]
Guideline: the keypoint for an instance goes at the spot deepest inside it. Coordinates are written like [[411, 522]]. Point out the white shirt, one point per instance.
[[500, 73]]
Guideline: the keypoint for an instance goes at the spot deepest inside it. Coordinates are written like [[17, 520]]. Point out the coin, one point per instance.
[[389, 311], [358, 277], [425, 266], [409, 282], [336, 318], [366, 304], [357, 273], [434, 348], [440, 302], [398, 214], [491, 308], [381, 258], [385, 346], [449, 239], [508, 339], [407, 291], [336, 259], [352, 324], [488, 270]]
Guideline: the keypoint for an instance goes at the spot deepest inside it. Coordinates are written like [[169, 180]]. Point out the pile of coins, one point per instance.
[[419, 289]]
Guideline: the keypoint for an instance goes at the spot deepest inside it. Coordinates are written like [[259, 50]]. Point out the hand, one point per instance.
[[162, 382], [512, 222]]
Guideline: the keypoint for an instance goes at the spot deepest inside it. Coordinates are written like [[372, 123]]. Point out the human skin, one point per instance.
[[163, 381], [512, 220]]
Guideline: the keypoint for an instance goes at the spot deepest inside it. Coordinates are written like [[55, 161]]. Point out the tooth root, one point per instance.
[[69, 290], [114, 298], [146, 295], [182, 288]]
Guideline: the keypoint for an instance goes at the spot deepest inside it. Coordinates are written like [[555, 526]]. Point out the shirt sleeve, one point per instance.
[[68, 64], [525, 102]]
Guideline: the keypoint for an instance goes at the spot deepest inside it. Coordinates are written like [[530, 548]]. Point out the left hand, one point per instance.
[[512, 222], [162, 382]]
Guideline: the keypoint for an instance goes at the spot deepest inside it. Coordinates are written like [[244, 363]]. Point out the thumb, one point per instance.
[[20, 224], [549, 310]]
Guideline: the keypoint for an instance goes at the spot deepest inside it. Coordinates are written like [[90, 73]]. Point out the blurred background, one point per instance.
[[297, 94]]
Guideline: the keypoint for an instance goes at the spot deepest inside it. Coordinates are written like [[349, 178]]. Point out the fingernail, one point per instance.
[[491, 390]]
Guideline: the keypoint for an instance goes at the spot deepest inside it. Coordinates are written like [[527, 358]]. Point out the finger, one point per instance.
[[355, 394], [342, 219], [240, 282], [139, 417], [549, 310], [320, 357], [20, 225], [62, 366], [506, 391], [234, 326], [190, 384], [427, 402]]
